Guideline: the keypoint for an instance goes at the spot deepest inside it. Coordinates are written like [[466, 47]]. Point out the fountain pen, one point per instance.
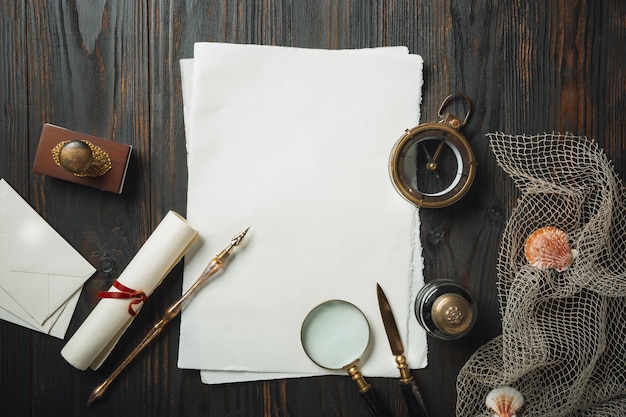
[[213, 267]]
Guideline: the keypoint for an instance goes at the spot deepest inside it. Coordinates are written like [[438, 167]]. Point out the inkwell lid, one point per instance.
[[452, 314]]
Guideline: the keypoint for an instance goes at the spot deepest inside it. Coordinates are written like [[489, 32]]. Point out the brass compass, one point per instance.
[[433, 165]]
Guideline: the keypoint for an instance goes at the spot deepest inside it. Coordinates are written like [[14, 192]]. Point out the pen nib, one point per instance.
[[237, 239]]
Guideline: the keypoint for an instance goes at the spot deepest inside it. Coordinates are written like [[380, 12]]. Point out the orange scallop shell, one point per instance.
[[504, 401], [549, 247]]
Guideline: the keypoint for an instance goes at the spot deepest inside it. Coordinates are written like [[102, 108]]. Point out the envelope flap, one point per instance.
[[34, 246], [39, 270], [27, 290]]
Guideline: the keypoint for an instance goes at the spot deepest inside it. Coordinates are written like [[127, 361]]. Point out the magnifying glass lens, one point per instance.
[[335, 334]]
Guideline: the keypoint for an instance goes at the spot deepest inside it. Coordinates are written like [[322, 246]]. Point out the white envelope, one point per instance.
[[41, 275]]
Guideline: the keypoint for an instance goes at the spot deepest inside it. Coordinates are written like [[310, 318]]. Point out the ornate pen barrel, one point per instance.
[[445, 309]]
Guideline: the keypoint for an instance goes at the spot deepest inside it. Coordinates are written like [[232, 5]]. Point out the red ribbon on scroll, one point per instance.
[[126, 293]]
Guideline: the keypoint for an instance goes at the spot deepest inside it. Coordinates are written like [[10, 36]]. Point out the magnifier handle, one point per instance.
[[369, 396], [413, 399], [374, 404]]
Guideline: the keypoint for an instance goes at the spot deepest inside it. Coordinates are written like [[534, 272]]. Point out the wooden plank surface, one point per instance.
[[110, 69]]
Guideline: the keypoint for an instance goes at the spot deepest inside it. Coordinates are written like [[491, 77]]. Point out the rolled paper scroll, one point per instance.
[[100, 332]]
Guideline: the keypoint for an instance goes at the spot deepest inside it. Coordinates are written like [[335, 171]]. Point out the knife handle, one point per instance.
[[413, 398]]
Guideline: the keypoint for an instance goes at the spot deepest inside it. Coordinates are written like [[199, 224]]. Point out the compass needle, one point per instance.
[[428, 155], [439, 148]]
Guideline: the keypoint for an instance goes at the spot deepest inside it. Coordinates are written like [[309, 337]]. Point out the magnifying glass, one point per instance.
[[335, 335]]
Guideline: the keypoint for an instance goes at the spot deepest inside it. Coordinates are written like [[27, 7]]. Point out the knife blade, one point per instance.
[[410, 390]]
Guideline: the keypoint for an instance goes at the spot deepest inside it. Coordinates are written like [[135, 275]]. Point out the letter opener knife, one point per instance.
[[410, 390]]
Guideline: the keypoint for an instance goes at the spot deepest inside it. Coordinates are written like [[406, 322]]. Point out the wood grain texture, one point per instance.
[[15, 343], [110, 69]]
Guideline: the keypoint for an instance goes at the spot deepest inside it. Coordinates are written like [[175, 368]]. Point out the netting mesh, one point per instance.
[[563, 333]]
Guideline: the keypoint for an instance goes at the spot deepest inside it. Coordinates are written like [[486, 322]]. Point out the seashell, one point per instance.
[[549, 247], [504, 401]]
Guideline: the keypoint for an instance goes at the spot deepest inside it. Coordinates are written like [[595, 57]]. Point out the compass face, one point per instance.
[[432, 165], [429, 176]]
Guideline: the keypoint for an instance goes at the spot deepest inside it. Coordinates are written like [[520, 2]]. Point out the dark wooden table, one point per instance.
[[110, 69]]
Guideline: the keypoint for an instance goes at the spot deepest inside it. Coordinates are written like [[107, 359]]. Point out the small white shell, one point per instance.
[[504, 401], [549, 247]]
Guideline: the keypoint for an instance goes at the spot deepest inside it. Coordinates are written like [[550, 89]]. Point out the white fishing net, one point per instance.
[[563, 333]]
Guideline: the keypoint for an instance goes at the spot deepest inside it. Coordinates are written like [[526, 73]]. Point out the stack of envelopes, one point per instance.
[[295, 143], [41, 274]]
